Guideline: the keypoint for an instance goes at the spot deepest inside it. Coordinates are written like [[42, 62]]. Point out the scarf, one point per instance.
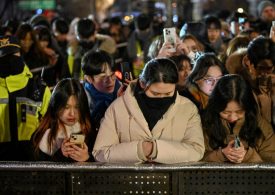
[[100, 101], [152, 108], [199, 96], [61, 135]]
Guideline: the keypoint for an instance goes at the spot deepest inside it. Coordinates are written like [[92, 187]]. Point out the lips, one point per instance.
[[71, 120], [110, 87]]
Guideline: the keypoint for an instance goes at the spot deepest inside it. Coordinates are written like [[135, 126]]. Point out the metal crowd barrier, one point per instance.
[[131, 179]]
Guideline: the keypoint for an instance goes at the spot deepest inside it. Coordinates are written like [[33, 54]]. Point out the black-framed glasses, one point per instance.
[[104, 77]]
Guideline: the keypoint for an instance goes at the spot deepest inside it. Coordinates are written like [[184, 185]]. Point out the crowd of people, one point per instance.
[[210, 96]]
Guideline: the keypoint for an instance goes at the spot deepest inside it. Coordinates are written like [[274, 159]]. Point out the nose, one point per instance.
[[233, 117], [72, 112]]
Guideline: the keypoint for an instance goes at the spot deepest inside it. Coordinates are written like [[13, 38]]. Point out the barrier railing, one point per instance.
[[102, 178]]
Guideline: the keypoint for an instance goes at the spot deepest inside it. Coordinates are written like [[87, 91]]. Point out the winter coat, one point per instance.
[[177, 137], [264, 151]]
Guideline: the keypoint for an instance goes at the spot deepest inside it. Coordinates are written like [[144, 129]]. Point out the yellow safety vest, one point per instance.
[[32, 109], [70, 61], [138, 64]]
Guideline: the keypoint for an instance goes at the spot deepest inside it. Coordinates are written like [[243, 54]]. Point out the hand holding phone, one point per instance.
[[169, 35], [77, 139]]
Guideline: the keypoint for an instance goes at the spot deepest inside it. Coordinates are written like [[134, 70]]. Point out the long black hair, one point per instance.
[[62, 92], [230, 88], [203, 63]]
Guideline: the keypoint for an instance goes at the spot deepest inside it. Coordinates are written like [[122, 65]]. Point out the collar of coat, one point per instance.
[[136, 114], [57, 142], [236, 129], [199, 96]]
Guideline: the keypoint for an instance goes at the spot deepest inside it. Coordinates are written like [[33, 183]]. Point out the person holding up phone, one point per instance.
[[234, 130], [101, 85], [65, 125], [171, 45]]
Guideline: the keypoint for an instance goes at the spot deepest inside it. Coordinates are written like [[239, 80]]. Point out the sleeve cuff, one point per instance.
[[153, 155], [141, 155], [140, 151]]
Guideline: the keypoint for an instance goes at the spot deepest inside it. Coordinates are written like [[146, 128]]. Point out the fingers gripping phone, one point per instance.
[[77, 139], [169, 35]]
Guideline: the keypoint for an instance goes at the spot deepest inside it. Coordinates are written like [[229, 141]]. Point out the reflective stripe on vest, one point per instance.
[[27, 118]]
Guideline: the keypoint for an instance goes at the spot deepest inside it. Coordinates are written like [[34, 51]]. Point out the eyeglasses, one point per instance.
[[211, 80], [104, 77]]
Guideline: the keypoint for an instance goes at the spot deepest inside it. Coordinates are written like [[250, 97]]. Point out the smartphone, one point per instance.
[[125, 71], [77, 139], [241, 20], [237, 142], [169, 35]]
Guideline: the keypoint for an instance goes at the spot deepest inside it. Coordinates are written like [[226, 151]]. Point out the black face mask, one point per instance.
[[11, 65], [86, 44], [158, 103], [153, 108]]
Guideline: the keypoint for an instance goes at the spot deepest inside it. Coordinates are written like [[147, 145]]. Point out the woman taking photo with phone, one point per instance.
[[150, 122], [67, 115], [231, 114]]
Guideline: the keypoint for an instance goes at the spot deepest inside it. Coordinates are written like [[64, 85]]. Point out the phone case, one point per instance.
[[170, 36], [77, 139]]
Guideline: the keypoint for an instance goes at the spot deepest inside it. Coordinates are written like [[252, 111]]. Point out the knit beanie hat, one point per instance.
[[262, 5]]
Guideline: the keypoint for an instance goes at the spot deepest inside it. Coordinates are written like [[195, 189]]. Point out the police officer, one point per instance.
[[22, 102]]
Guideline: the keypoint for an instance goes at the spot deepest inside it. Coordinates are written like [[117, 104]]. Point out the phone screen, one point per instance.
[[241, 20]]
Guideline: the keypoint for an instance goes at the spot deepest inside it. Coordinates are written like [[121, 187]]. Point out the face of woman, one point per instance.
[[184, 72], [209, 81], [232, 112], [70, 114], [26, 43], [44, 44], [191, 45], [160, 90]]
